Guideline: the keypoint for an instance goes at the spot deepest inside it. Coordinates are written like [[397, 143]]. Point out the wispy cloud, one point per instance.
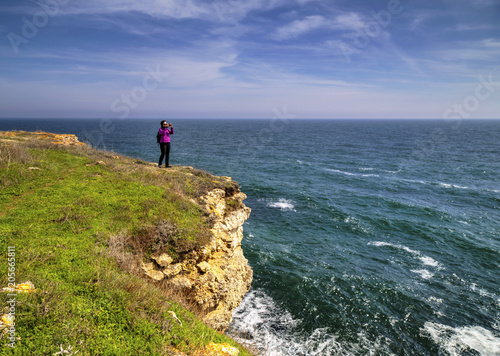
[[343, 22], [170, 8], [242, 58], [300, 27], [212, 10], [349, 22]]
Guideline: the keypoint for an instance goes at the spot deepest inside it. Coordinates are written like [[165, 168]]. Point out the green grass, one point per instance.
[[59, 208]]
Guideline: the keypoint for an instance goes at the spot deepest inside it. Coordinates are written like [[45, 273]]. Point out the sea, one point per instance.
[[366, 237]]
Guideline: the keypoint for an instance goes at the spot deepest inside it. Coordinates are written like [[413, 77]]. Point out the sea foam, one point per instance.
[[454, 341], [260, 323], [283, 204], [425, 274], [425, 260], [351, 174]]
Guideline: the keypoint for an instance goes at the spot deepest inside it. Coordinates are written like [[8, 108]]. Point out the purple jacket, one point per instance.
[[165, 134]]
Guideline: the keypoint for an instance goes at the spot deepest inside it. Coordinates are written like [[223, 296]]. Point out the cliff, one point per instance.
[[116, 249], [212, 278]]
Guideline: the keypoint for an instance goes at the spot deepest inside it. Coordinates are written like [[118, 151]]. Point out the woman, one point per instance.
[[165, 131]]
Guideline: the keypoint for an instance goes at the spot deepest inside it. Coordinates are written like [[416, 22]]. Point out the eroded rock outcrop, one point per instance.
[[215, 277], [58, 139]]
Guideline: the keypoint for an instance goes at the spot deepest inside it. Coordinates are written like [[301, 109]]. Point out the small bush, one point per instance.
[[232, 205], [14, 153]]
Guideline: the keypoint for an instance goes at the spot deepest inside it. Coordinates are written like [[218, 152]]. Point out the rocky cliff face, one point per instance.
[[215, 277]]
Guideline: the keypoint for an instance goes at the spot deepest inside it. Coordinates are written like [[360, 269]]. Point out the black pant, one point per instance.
[[165, 152]]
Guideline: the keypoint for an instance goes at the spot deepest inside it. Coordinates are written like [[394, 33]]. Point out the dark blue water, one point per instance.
[[366, 237]]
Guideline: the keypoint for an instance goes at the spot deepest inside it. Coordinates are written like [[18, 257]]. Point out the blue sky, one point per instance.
[[250, 59]]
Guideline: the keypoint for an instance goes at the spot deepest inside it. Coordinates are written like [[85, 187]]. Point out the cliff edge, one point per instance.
[[122, 255], [213, 278]]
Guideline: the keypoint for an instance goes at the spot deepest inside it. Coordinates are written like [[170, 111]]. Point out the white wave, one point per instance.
[[283, 204], [454, 341], [426, 260], [413, 181], [341, 172], [484, 293], [373, 169], [448, 185], [379, 243], [425, 274], [350, 173], [429, 261], [455, 186], [400, 247], [258, 322], [442, 184]]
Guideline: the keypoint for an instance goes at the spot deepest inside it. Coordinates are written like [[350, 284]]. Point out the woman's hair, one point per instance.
[[162, 121]]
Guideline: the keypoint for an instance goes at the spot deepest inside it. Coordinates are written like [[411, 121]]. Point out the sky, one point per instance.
[[250, 59]]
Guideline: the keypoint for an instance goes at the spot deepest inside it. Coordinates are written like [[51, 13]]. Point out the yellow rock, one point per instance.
[[26, 287], [163, 260], [151, 272], [213, 349], [6, 320], [58, 139], [214, 277]]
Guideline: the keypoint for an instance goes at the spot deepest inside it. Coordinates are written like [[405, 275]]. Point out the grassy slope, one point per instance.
[[60, 218]]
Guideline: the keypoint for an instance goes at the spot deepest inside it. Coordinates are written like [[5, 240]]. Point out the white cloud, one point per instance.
[[213, 71], [155, 8], [225, 11], [198, 88], [491, 43], [349, 21], [300, 27], [478, 52]]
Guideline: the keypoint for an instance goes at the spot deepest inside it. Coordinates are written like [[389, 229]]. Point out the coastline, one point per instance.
[[136, 220]]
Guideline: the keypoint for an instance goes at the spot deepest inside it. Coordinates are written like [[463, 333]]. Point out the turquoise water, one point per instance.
[[366, 237]]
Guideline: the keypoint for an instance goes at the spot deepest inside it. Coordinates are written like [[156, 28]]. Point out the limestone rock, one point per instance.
[[213, 349], [173, 270], [181, 283], [58, 139], [163, 260], [215, 277], [151, 272], [204, 266]]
